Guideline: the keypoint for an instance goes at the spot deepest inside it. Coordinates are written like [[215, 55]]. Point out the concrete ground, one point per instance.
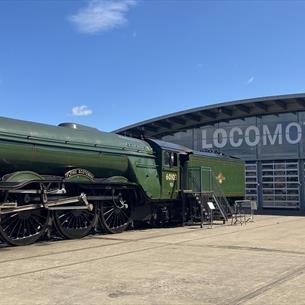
[[254, 264]]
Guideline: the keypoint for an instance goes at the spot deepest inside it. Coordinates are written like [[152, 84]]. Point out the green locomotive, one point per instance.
[[73, 178]]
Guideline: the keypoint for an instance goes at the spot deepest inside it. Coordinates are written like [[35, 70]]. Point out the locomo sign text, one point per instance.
[[252, 135]]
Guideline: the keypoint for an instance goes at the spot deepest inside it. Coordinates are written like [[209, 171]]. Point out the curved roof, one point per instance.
[[178, 121]]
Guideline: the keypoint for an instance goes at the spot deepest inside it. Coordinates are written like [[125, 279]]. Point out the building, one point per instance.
[[268, 133]]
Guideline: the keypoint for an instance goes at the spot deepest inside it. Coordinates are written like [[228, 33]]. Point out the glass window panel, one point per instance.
[[290, 172], [293, 185], [294, 178], [280, 185], [295, 198], [267, 166], [292, 166], [269, 177], [279, 173], [268, 191], [268, 186], [279, 179], [249, 185], [250, 179], [277, 192], [292, 192], [267, 198], [279, 166]]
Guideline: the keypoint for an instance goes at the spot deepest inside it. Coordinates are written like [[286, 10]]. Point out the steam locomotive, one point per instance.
[[72, 179]]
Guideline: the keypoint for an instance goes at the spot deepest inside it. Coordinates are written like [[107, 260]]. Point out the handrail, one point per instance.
[[195, 177]]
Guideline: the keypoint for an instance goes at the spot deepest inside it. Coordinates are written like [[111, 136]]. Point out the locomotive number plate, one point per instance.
[[170, 177]]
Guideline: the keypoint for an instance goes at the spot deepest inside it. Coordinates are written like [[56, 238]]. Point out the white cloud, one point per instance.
[[101, 15], [250, 80], [81, 111]]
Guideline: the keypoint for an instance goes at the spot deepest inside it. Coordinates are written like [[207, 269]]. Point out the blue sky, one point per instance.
[[109, 64]]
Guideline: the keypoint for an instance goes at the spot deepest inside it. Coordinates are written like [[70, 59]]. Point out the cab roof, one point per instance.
[[171, 146]]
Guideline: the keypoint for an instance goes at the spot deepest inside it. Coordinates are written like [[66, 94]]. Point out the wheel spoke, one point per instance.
[[27, 228], [105, 213], [8, 219], [124, 213], [20, 224], [69, 221], [34, 218], [123, 219], [16, 226], [32, 224], [14, 222], [109, 216], [86, 217]]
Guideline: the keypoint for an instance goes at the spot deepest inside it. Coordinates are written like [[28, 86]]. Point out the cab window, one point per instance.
[[170, 158]]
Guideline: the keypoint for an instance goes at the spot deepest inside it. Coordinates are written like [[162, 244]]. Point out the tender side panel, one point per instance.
[[228, 172]]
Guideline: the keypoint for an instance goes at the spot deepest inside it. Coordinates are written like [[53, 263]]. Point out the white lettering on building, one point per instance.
[[277, 134], [204, 140], [220, 138], [252, 140], [252, 136], [288, 133], [235, 136]]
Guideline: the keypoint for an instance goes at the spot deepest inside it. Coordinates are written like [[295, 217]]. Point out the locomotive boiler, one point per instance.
[[72, 179]]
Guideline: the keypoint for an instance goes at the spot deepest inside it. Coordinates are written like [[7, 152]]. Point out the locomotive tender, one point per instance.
[[71, 179]]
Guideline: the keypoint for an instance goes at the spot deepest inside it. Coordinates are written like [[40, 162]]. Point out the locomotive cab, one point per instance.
[[170, 159]]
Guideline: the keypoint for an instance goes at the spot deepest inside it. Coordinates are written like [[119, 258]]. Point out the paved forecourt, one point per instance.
[[258, 263]]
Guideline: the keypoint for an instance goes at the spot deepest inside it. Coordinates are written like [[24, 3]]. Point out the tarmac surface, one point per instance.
[[254, 264]]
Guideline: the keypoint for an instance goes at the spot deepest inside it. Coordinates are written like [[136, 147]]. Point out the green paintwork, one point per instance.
[[231, 170], [33, 148], [170, 182], [144, 172], [168, 187], [53, 150], [170, 177], [22, 176], [117, 179]]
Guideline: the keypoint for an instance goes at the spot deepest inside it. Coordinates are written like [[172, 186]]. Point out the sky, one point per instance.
[[109, 64]]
